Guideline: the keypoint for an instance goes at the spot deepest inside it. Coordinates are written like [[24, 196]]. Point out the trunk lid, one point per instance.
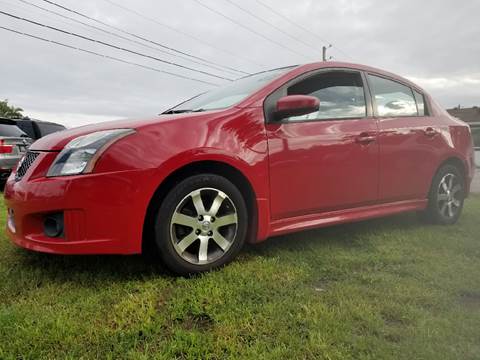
[[19, 145]]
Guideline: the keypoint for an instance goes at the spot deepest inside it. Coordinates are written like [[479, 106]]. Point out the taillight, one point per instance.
[[5, 149]]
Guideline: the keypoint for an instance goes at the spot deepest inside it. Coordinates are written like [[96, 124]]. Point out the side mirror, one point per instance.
[[296, 105]]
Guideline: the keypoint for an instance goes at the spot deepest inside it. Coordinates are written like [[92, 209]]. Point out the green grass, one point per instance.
[[385, 289]]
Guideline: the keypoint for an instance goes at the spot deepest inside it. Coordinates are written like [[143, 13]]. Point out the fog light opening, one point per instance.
[[53, 225], [11, 221]]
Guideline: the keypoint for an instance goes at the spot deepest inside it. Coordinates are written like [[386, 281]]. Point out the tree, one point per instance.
[[8, 111]]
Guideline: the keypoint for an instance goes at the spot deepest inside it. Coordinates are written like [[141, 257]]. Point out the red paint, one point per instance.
[[304, 174], [319, 166], [297, 105]]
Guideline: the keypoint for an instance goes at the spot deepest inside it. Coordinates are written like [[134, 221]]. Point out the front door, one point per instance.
[[327, 160]]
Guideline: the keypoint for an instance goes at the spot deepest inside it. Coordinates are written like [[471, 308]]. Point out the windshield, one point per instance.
[[229, 95]]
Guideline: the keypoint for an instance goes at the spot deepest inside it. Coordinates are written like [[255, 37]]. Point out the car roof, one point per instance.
[[256, 99], [354, 66], [38, 121], [7, 121]]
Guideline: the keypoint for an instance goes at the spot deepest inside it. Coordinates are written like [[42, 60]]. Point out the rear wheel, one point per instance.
[[201, 224], [446, 196]]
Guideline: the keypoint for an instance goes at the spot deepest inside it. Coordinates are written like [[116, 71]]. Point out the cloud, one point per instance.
[[434, 44], [446, 83]]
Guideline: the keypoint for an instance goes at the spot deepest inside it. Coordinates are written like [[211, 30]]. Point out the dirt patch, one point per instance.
[[393, 338], [163, 299], [470, 300], [321, 286], [197, 322]]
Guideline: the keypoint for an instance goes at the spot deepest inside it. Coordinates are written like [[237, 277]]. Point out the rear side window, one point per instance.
[[46, 128], [392, 98], [340, 93], [10, 131], [420, 99]]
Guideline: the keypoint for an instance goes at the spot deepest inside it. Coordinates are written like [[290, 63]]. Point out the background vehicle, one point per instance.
[[13, 145], [276, 152], [476, 141], [37, 128]]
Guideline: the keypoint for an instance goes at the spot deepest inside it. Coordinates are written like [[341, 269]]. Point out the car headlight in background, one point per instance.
[[80, 155]]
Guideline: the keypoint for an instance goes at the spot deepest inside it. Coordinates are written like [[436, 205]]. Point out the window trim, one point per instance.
[[426, 108], [271, 99], [398, 81]]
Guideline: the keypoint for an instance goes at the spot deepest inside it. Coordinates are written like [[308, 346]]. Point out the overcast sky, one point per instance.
[[434, 43]]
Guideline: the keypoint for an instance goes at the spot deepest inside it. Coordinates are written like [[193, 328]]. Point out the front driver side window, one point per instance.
[[340, 93]]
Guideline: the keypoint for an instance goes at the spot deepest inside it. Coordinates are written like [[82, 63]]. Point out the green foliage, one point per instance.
[[8, 111], [385, 289]]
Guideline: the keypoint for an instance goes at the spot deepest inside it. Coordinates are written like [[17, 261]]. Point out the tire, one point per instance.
[[446, 196], [192, 239]]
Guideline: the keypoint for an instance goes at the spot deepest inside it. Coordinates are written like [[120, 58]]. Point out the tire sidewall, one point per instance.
[[164, 215]]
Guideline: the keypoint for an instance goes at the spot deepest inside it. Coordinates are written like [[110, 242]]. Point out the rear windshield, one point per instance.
[[47, 128], [11, 131]]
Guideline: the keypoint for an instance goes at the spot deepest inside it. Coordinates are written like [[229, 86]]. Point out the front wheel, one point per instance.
[[446, 196], [201, 224]]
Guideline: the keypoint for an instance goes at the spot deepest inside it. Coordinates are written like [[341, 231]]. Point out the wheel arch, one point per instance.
[[216, 167], [460, 165], [457, 162]]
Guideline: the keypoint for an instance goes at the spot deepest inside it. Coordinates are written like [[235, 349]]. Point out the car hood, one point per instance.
[[58, 140]]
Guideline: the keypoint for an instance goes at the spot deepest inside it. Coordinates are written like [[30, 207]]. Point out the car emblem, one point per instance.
[[206, 225]]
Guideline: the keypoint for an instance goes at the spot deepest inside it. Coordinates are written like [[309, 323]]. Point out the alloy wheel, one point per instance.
[[449, 196], [203, 226]]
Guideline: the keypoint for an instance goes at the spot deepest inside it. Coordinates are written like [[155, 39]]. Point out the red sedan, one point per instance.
[[276, 152]]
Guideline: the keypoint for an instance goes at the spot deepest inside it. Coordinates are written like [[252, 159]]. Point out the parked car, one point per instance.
[[37, 128], [13, 145], [281, 151]]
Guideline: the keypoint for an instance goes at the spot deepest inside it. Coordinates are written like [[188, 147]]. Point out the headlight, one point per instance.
[[80, 155]]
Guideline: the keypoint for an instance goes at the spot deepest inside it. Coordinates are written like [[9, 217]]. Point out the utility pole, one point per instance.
[[324, 52]]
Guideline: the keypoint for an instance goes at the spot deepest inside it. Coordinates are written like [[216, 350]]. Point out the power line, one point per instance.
[[124, 37], [183, 33], [249, 29], [106, 56], [114, 46], [341, 51], [270, 24], [299, 26], [290, 21], [127, 32]]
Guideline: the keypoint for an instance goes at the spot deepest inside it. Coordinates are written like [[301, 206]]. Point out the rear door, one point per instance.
[[326, 160], [409, 140]]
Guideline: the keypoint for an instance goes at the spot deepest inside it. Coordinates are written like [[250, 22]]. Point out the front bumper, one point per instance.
[[103, 213]]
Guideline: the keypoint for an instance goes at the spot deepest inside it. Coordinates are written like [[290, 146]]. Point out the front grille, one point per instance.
[[25, 164]]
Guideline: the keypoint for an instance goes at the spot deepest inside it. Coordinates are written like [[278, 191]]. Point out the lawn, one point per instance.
[[385, 289]]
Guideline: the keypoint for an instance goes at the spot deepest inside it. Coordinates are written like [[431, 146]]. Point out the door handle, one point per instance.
[[365, 138], [430, 132]]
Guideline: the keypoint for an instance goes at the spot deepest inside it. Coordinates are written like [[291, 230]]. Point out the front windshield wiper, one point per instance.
[[182, 111], [168, 112]]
